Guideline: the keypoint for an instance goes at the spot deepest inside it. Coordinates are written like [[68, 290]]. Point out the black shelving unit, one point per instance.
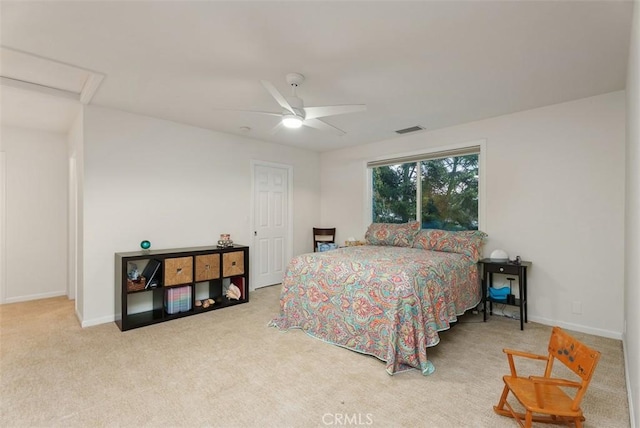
[[207, 271]]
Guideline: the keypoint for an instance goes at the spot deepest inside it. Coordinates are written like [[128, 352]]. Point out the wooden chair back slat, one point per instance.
[[577, 356], [323, 235]]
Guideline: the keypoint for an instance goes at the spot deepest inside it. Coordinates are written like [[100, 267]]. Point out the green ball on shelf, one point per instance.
[[145, 245]]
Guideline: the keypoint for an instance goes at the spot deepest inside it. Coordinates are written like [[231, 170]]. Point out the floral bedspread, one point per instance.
[[389, 302]]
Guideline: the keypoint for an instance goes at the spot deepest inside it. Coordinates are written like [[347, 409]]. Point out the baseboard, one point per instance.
[[36, 296], [577, 327], [97, 321]]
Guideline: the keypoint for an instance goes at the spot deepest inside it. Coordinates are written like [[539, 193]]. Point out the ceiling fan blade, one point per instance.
[[323, 111], [278, 96], [323, 126]]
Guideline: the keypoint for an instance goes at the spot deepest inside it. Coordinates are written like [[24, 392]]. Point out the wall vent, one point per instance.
[[411, 129]]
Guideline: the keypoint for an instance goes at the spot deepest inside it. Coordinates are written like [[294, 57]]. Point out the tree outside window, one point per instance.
[[447, 191], [394, 193]]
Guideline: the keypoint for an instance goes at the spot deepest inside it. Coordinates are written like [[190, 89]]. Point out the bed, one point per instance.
[[388, 299]]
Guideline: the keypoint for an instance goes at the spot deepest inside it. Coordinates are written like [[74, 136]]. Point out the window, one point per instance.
[[440, 189], [395, 193]]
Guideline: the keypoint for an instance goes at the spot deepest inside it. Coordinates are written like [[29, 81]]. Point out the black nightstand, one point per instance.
[[491, 266]]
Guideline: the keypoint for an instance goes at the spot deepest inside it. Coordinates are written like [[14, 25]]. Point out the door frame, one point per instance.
[[289, 244], [72, 221]]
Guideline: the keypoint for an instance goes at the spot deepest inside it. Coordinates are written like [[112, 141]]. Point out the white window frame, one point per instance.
[[482, 203]]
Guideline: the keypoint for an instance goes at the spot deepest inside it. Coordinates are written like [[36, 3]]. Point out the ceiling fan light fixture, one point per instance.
[[292, 121]]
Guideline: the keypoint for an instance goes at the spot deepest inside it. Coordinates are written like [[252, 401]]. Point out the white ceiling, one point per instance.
[[434, 64]]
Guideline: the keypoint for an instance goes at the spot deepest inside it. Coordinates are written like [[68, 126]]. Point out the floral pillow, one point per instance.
[[467, 242], [392, 234]]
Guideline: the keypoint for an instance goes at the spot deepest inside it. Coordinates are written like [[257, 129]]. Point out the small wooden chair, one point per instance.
[[323, 235], [544, 397]]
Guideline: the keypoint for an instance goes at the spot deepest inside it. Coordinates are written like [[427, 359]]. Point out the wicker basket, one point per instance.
[[233, 263], [178, 270], [136, 285], [207, 267]]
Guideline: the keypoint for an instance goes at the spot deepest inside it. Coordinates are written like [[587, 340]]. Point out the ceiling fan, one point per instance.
[[295, 114]]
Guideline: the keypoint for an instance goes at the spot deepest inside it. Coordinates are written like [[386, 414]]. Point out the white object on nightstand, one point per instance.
[[499, 255]]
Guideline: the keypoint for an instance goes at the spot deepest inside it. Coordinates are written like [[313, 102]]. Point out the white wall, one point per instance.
[[554, 195], [632, 230], [3, 222], [175, 185], [35, 214]]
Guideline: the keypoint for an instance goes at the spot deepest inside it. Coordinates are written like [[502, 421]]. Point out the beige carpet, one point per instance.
[[226, 368]]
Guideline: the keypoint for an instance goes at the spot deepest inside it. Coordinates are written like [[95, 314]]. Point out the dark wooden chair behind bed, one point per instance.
[[323, 235]]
